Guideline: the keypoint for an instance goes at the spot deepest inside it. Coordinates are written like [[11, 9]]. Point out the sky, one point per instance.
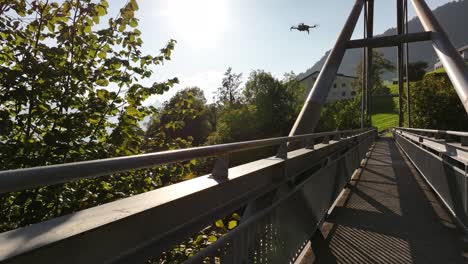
[[246, 35]]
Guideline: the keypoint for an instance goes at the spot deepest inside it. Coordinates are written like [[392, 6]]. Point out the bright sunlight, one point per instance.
[[198, 23]]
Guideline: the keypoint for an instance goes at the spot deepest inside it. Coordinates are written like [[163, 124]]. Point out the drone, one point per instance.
[[304, 27]]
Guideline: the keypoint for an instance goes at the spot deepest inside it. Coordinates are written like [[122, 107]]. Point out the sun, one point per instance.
[[200, 23]]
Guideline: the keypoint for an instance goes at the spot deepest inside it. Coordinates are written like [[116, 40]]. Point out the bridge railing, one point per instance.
[[287, 194], [21, 179], [442, 159], [447, 135]]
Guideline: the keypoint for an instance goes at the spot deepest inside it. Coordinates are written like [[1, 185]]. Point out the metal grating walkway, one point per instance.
[[390, 215]]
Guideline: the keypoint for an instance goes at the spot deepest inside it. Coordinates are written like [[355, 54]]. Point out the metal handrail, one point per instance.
[[435, 131], [442, 148], [21, 179]]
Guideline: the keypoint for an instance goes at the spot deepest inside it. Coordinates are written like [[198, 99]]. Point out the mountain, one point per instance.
[[453, 18]]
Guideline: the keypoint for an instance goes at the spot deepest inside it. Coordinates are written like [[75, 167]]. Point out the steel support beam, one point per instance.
[[400, 62], [364, 76], [389, 41], [408, 95], [369, 56], [447, 53], [310, 113]]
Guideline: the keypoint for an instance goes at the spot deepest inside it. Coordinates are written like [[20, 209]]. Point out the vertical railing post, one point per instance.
[[464, 141], [338, 136], [311, 144], [310, 113], [453, 62], [282, 152], [220, 170]]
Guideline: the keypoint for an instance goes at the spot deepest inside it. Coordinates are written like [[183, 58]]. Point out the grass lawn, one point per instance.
[[385, 120], [385, 110]]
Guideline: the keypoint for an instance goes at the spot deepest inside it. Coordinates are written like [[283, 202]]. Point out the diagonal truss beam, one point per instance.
[[310, 113]]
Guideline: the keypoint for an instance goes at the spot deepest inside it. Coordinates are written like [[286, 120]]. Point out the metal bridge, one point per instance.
[[335, 197]]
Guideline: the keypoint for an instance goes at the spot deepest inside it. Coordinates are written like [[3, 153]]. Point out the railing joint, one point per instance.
[[464, 141], [220, 170], [310, 144], [282, 152], [337, 137]]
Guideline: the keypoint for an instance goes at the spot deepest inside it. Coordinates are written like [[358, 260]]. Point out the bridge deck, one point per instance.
[[390, 215]]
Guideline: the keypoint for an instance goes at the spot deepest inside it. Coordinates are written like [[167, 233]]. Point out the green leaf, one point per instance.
[[43, 107], [232, 224], [51, 27], [104, 3], [87, 29], [134, 5], [102, 54], [102, 94], [133, 23], [236, 216], [212, 239], [102, 82], [132, 111], [106, 186], [219, 223], [96, 19], [100, 10], [199, 239]]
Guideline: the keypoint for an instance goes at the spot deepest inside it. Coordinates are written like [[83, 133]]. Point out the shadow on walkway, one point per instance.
[[389, 216]]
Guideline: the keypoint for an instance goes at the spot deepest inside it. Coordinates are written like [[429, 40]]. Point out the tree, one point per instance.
[[70, 90], [296, 89], [229, 92], [184, 117], [416, 70], [63, 78], [269, 108], [274, 102], [236, 124], [341, 115], [380, 65], [436, 105]]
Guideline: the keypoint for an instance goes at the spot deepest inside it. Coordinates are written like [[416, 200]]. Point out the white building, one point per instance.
[[463, 52], [341, 89]]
